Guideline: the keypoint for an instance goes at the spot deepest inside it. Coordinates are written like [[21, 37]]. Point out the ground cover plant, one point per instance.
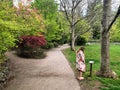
[[92, 52]]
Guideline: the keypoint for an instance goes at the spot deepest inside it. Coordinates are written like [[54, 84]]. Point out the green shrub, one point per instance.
[[6, 42], [14, 23], [55, 44], [49, 45], [31, 53], [64, 39], [81, 40]]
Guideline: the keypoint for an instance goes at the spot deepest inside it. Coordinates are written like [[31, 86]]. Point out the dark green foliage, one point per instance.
[[49, 45], [95, 8], [64, 39], [81, 40], [96, 31], [4, 71], [55, 44], [28, 52]]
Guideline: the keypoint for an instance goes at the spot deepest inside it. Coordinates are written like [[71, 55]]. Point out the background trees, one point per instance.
[[15, 23], [74, 17], [54, 20], [95, 7], [74, 14], [115, 31]]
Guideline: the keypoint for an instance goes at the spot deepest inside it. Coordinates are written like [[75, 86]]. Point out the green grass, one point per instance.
[[92, 52]]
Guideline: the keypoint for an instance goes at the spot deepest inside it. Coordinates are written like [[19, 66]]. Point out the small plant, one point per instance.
[[30, 46]]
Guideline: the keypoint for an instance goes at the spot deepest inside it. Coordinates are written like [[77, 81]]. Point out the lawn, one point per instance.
[[92, 52]]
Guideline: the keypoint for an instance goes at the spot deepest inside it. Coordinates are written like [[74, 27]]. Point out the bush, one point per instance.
[[31, 53], [81, 40], [55, 44], [32, 41], [49, 45], [4, 71], [30, 46], [6, 42]]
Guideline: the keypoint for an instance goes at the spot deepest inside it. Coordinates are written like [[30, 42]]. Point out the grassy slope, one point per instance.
[[92, 52]]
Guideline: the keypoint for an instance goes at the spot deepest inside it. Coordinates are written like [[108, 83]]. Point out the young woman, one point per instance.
[[80, 62]]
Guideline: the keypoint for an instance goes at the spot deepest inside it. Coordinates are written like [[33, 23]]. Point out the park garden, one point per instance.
[[33, 29], [92, 53]]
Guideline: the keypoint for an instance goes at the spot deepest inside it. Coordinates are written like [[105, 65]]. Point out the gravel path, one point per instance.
[[51, 73]]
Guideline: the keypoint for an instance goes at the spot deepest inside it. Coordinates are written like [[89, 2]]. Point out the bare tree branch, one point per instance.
[[64, 6], [77, 3], [72, 11], [114, 19], [86, 17], [82, 32]]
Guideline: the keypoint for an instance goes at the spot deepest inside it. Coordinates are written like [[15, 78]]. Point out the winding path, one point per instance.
[[51, 73]]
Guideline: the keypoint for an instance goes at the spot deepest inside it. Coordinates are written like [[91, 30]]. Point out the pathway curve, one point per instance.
[[51, 73]]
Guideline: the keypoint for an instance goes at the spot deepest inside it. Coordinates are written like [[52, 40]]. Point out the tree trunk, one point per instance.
[[72, 33], [105, 57], [105, 70], [73, 29]]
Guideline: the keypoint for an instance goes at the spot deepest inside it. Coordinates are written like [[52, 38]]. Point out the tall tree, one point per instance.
[[74, 13], [95, 6], [105, 70], [105, 57], [49, 9]]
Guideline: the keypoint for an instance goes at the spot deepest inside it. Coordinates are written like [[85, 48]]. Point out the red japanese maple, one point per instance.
[[32, 41]]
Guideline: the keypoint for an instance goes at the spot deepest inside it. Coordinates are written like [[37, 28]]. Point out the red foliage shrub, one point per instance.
[[32, 41]]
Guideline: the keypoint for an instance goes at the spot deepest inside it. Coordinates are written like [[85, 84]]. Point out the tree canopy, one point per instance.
[[15, 23]]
